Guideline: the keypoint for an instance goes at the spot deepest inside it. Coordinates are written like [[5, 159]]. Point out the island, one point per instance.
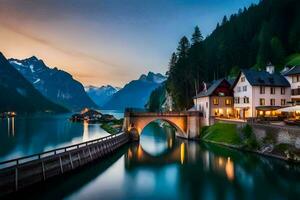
[[107, 122]]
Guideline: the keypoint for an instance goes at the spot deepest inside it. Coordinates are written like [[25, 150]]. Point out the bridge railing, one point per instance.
[[38, 156]]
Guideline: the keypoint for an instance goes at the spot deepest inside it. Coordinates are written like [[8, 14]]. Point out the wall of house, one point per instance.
[[205, 105], [253, 93], [241, 94], [268, 96], [221, 108], [293, 86], [202, 104]]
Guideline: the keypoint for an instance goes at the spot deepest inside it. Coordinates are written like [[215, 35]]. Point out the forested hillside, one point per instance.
[[267, 32]]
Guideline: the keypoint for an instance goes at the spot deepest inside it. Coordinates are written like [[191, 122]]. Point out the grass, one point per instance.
[[222, 133], [109, 126], [293, 60]]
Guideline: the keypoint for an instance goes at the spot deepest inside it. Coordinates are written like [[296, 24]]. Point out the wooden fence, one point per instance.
[[19, 173]]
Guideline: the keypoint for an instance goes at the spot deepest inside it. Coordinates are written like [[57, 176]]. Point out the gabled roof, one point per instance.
[[211, 88], [263, 78], [293, 71]]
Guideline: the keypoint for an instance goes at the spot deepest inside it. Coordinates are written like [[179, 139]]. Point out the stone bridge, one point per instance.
[[187, 123]]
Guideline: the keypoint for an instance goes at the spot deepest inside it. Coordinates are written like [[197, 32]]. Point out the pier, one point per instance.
[[17, 174]]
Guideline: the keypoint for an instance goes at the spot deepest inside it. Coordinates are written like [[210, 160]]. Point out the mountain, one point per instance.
[[101, 95], [56, 85], [17, 94], [135, 94]]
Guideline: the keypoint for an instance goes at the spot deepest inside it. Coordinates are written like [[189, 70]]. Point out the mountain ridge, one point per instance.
[[55, 84], [18, 94], [136, 92]]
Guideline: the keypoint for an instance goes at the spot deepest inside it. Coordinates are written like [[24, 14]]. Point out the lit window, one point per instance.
[[272, 102], [282, 90], [262, 102], [283, 102], [272, 90], [215, 101], [228, 101], [262, 90]]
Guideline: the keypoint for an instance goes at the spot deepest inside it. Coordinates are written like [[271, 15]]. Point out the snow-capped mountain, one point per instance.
[[136, 93], [18, 94], [101, 95], [152, 77], [57, 85]]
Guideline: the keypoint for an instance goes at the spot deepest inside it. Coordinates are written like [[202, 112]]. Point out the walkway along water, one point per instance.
[[19, 173]]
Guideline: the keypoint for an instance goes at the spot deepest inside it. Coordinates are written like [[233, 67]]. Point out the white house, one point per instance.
[[293, 76], [215, 101], [260, 93]]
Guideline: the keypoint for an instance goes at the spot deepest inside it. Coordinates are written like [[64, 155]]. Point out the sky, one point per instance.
[[104, 42]]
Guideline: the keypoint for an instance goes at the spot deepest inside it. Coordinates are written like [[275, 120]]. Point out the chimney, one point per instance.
[[270, 68]]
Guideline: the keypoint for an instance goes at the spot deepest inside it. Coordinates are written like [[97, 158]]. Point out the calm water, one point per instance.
[[163, 167], [26, 135]]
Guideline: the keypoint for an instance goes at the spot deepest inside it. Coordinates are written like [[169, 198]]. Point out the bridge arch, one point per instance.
[[178, 128], [187, 124]]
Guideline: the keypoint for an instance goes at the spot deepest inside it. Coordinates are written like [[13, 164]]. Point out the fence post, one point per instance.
[[16, 178], [43, 169], [90, 153], [79, 158], [61, 167], [71, 160]]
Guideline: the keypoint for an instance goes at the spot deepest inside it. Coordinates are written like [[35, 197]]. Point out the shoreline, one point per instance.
[[251, 151]]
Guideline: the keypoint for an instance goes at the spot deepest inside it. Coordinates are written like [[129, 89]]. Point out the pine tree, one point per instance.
[[278, 52], [197, 36], [183, 47]]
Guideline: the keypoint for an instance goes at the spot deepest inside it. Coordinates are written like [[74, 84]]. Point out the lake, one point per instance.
[[26, 135], [162, 166]]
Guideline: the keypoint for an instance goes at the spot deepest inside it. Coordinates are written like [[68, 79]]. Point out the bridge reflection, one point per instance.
[[180, 152]]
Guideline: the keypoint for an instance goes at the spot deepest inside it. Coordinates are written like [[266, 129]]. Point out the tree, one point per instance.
[[197, 36], [183, 47], [225, 20], [278, 52], [263, 55]]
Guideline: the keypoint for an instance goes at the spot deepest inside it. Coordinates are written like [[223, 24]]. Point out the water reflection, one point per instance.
[[213, 172], [183, 170], [85, 131], [26, 135], [10, 126]]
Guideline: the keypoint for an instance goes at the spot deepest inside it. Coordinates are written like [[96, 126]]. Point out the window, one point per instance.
[[282, 90], [262, 102], [283, 102], [295, 79], [272, 102], [246, 99], [238, 89], [262, 89], [272, 90], [215, 101], [237, 100], [206, 104], [243, 79], [228, 101], [245, 88]]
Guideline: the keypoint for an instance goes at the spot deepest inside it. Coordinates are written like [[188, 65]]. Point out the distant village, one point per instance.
[[254, 95]]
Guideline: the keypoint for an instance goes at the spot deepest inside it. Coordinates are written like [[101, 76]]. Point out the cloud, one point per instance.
[[73, 52]]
